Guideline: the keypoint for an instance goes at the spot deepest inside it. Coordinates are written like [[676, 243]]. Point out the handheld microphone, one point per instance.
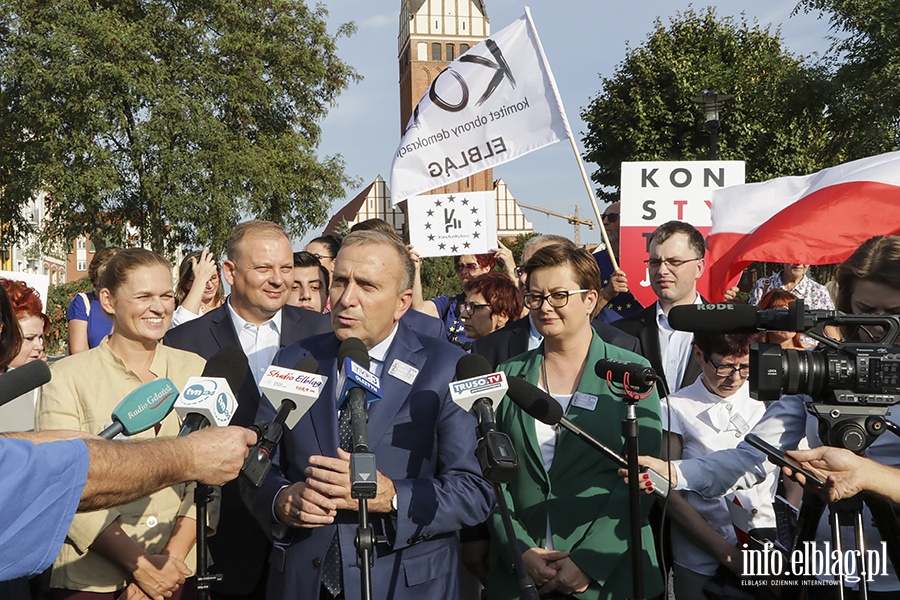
[[298, 388], [360, 387], [478, 390], [630, 375], [544, 408], [22, 380], [295, 385], [209, 399], [142, 409]]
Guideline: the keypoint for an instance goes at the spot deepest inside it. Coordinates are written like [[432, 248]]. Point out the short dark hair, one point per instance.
[[582, 262], [374, 237], [375, 224], [329, 241], [499, 291], [304, 259], [670, 228], [727, 344]]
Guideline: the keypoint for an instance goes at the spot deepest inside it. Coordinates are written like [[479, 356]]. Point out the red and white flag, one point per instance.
[[814, 219], [496, 102]]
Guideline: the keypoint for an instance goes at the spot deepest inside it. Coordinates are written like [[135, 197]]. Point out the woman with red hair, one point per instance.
[[492, 300]]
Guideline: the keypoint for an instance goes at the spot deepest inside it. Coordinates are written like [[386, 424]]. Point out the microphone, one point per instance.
[[544, 408], [714, 318], [360, 387], [22, 380], [209, 399], [631, 375], [298, 389], [478, 390], [298, 385], [142, 409]]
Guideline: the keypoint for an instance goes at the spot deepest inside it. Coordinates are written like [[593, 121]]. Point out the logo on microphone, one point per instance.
[[478, 385], [195, 393], [222, 403]]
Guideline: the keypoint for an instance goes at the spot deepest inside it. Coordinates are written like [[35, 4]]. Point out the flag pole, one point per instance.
[[562, 111]]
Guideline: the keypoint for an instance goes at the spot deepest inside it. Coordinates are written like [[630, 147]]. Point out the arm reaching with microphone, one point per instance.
[[848, 473]]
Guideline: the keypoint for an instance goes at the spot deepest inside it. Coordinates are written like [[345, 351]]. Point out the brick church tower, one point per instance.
[[433, 33]]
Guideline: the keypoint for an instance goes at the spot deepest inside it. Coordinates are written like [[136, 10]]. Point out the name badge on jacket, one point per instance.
[[403, 371]]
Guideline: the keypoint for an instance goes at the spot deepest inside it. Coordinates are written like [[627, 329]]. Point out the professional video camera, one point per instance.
[[852, 383]]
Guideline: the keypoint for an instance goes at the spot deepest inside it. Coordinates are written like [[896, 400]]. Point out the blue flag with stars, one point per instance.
[[622, 305]]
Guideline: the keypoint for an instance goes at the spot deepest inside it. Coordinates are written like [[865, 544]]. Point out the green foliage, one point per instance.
[[181, 118], [518, 243], [58, 299], [775, 121], [864, 103]]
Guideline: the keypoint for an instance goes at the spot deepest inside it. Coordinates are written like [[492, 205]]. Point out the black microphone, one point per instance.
[[22, 380], [640, 377], [714, 318], [544, 408], [205, 401], [259, 460]]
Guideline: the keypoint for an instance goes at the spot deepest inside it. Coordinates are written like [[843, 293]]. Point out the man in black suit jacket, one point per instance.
[[675, 263], [259, 269]]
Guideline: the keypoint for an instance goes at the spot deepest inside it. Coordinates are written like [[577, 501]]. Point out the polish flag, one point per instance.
[[814, 219]]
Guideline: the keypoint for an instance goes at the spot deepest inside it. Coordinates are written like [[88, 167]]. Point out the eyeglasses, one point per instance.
[[611, 217], [520, 271], [554, 299], [728, 370], [467, 309], [467, 267], [672, 263], [321, 256]]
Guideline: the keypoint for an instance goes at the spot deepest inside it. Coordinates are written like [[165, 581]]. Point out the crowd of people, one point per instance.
[[547, 320]]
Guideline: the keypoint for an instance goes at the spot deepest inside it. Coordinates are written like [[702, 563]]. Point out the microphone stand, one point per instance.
[[363, 487], [202, 496], [498, 460], [630, 433]]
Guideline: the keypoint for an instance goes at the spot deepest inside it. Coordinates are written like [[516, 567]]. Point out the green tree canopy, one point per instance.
[[775, 122], [864, 103], [180, 118]]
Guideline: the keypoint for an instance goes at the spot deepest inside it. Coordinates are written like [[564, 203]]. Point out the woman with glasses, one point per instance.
[[492, 300], [570, 510], [199, 288], [711, 414]]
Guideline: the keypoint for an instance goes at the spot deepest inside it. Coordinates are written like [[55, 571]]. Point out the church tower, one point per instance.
[[433, 33]]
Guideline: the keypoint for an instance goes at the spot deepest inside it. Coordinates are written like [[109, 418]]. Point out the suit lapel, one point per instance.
[[518, 341], [394, 392], [531, 372], [323, 413], [223, 329]]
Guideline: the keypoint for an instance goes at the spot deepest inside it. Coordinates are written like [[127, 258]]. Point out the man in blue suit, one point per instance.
[[429, 482]]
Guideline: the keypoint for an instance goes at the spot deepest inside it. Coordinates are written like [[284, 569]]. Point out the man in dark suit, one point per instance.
[[429, 482], [674, 266], [255, 318]]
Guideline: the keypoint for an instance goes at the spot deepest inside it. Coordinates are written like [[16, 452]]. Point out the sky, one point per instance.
[[584, 41]]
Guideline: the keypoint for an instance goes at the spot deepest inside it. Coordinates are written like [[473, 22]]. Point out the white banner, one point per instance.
[[496, 102], [451, 224]]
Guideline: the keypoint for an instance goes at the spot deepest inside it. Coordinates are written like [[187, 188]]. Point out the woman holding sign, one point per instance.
[[142, 548], [570, 511]]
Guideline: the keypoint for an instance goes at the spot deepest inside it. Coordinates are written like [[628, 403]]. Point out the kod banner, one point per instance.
[[496, 102]]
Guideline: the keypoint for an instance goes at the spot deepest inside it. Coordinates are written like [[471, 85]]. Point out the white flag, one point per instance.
[[496, 102], [452, 224]]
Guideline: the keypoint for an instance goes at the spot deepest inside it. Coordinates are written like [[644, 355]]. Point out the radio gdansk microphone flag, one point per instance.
[[494, 103], [814, 219]]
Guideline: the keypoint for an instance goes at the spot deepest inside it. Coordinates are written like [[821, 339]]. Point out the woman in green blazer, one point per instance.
[[569, 507]]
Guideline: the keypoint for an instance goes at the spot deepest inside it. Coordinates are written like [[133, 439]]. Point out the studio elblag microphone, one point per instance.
[[637, 380], [358, 388], [22, 380], [543, 407], [479, 391], [142, 409], [209, 399], [291, 392]]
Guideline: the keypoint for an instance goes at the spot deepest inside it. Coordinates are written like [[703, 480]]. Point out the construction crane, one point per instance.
[[573, 219]]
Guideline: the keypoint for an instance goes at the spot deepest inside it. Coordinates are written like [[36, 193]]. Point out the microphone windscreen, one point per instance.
[[307, 364], [229, 363], [355, 350], [714, 318], [536, 402], [23, 379], [472, 365]]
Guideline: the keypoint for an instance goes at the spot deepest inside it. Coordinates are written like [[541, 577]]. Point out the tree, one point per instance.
[[775, 122], [864, 61], [178, 118]]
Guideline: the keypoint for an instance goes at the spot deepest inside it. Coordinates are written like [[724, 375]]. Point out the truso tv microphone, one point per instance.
[[629, 374], [543, 407], [209, 399], [142, 409], [22, 380], [298, 387]]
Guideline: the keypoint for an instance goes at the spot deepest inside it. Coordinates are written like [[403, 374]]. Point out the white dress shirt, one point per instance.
[[259, 343], [674, 347]]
